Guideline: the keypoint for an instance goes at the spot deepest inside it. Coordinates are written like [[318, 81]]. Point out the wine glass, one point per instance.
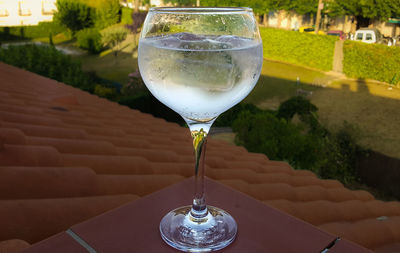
[[199, 62]]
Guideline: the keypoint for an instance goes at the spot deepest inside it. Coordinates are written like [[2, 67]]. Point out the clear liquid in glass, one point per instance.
[[200, 77]]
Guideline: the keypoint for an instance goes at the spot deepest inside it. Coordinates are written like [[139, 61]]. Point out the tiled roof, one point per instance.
[[66, 155]]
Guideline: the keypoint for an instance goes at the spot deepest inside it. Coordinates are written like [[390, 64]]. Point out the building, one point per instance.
[[26, 12]]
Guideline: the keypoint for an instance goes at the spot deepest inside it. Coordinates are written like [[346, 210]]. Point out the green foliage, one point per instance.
[[126, 16], [105, 92], [227, 118], [42, 30], [367, 9], [47, 61], [296, 105], [378, 62], [113, 36], [147, 103], [305, 144], [74, 14], [304, 49], [264, 6], [107, 13], [182, 2], [80, 14], [277, 138], [90, 39], [340, 155]]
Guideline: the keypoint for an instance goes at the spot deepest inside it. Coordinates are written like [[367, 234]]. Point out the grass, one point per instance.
[[369, 105], [109, 67], [58, 39], [278, 82]]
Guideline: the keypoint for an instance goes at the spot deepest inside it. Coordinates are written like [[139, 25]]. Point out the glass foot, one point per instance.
[[184, 232]]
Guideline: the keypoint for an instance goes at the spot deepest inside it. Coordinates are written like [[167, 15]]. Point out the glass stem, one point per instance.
[[199, 208]]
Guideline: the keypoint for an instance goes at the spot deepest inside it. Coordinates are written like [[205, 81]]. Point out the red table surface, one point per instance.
[[59, 243], [134, 226], [344, 246]]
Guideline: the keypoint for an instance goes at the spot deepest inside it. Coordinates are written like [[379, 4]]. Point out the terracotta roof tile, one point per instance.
[[370, 233], [13, 246], [66, 153], [22, 155], [46, 182], [29, 119], [48, 131], [102, 164], [37, 219], [12, 136], [75, 146]]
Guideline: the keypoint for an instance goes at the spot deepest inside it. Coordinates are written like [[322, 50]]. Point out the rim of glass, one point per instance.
[[201, 10]]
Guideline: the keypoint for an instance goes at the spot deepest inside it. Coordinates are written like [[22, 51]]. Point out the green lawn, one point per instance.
[[371, 106], [278, 82]]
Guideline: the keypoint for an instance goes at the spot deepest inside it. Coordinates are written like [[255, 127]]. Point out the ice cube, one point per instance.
[[234, 41], [210, 71], [170, 42], [189, 37]]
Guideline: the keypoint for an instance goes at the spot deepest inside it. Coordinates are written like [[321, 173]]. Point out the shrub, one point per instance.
[[296, 105], [80, 14], [227, 118], [74, 15], [105, 92], [340, 154], [147, 103], [263, 132], [90, 39], [378, 62], [42, 30], [48, 61], [304, 49], [113, 36]]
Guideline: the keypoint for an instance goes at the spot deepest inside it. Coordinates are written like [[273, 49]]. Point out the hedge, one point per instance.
[[303, 49], [42, 30], [374, 61], [48, 61]]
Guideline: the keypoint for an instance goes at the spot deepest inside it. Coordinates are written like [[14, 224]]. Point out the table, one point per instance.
[[134, 227]]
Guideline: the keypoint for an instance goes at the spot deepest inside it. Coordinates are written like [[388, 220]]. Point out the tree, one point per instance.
[[365, 10], [74, 14], [182, 2], [112, 37], [107, 13], [305, 6], [137, 22]]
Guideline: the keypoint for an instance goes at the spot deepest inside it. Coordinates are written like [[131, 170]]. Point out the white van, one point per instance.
[[368, 35]]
